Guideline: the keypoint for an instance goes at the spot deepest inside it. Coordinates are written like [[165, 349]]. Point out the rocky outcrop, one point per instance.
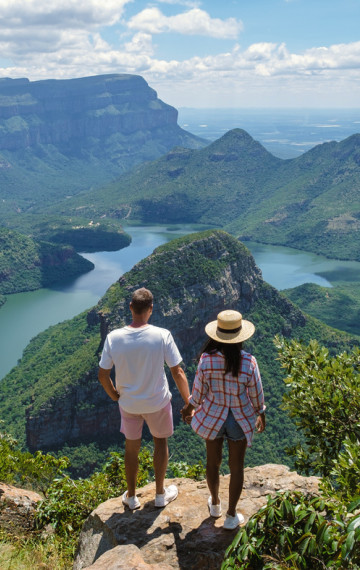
[[17, 508], [182, 535]]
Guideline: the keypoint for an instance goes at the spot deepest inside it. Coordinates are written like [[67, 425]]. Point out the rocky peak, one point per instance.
[[192, 279]]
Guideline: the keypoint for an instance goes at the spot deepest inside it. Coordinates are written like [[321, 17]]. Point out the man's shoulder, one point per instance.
[[117, 332], [153, 329]]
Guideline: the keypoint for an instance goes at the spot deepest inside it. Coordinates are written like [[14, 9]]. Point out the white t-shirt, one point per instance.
[[138, 355]]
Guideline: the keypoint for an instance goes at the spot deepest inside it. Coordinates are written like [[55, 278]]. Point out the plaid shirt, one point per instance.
[[215, 393]]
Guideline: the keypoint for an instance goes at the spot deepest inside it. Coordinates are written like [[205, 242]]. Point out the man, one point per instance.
[[138, 352]]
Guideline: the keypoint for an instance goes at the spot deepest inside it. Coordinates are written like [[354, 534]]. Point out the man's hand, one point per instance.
[[107, 384], [260, 423]]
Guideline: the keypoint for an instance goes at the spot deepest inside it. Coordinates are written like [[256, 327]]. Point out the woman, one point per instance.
[[228, 402]]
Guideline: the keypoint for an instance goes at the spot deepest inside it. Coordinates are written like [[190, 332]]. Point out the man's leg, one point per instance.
[[132, 448], [237, 450], [213, 462], [161, 457]]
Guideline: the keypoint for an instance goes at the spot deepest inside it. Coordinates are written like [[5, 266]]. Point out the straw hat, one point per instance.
[[230, 327]]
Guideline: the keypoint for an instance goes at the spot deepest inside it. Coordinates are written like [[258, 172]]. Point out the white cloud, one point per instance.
[[140, 43], [60, 13], [187, 3], [193, 22], [64, 38]]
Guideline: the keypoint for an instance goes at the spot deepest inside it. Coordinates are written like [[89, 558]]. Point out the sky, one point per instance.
[[194, 53]]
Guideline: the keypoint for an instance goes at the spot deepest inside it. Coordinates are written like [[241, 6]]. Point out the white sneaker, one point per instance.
[[233, 522], [171, 492], [131, 502], [215, 510]]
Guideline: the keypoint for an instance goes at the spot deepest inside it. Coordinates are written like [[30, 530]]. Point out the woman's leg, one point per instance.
[[237, 450], [213, 462]]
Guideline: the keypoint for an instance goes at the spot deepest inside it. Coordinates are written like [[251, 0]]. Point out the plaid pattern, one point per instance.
[[214, 393]]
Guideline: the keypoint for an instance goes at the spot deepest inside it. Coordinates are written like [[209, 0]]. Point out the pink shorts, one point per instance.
[[160, 423]]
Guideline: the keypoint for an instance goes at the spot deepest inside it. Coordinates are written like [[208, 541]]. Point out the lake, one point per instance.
[[26, 314]]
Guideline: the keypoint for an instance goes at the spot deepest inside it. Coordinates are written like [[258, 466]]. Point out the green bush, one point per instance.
[[297, 532], [293, 530], [26, 469], [69, 502]]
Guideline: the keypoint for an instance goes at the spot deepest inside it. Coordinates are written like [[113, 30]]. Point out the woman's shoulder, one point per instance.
[[209, 356], [247, 357]]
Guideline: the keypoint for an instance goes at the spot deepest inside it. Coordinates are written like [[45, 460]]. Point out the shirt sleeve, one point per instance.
[[200, 387], [106, 360], [255, 389], [172, 355]]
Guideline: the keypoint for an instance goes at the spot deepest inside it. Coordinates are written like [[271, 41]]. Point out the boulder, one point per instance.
[[17, 507], [182, 535]]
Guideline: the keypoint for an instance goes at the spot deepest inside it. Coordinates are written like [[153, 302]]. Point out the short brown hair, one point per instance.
[[142, 300]]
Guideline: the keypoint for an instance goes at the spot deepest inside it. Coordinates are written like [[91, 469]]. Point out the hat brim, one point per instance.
[[247, 330]]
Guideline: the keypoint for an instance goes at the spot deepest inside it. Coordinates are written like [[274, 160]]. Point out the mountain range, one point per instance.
[[100, 151], [311, 202]]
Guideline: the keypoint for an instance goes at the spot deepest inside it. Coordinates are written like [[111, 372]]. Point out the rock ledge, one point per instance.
[[182, 535]]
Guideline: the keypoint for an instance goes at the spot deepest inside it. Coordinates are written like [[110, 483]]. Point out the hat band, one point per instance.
[[229, 331]]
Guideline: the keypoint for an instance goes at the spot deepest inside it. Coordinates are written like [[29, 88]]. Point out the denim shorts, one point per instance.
[[231, 429]]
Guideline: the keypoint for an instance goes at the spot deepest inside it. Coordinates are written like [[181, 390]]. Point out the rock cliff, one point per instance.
[[61, 137], [192, 279], [182, 535], [77, 114]]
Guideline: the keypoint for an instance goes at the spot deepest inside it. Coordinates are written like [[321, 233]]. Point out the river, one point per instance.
[[26, 314]]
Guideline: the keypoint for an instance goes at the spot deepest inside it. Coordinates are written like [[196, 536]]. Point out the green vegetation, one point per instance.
[[298, 531], [337, 306], [26, 264], [67, 502], [52, 363]]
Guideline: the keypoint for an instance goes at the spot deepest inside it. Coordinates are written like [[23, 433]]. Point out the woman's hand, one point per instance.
[[260, 423]]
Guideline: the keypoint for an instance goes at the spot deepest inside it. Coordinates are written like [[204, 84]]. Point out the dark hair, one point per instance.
[[142, 300], [231, 352]]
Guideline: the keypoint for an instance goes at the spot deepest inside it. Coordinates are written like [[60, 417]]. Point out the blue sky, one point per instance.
[[194, 53]]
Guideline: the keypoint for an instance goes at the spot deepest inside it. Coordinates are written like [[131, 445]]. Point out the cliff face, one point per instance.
[[192, 279], [61, 137], [71, 113]]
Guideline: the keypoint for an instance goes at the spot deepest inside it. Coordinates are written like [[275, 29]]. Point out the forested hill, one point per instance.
[[311, 202], [58, 137], [53, 398], [26, 264]]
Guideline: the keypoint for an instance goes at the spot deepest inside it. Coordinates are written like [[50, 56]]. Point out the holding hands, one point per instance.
[[187, 413]]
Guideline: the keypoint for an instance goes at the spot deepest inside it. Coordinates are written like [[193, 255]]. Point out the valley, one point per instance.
[[97, 180]]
